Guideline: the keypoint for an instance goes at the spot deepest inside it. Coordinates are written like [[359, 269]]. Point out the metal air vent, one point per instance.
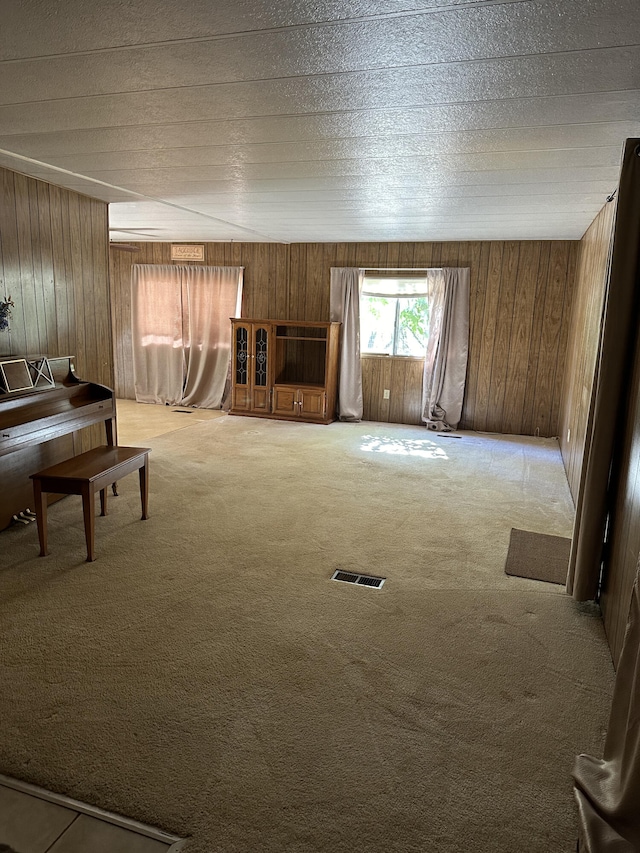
[[359, 580]]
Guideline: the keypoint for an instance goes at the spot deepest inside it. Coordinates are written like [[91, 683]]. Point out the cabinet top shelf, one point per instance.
[[301, 338], [282, 383], [310, 324]]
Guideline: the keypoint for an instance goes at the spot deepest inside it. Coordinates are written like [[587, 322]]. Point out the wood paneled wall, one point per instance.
[[54, 264], [584, 334], [582, 349], [520, 298], [401, 376], [265, 290]]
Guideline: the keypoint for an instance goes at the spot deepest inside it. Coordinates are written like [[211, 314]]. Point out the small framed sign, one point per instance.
[[187, 253], [41, 374], [14, 375]]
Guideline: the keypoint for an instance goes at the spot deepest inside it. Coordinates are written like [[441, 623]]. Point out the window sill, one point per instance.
[[385, 356]]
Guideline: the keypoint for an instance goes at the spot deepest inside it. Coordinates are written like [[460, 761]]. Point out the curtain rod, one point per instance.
[[401, 269]]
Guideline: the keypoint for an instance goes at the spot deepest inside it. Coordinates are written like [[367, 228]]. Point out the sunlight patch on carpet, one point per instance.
[[402, 447]]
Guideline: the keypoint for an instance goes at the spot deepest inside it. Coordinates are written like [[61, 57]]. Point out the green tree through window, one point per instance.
[[395, 322]]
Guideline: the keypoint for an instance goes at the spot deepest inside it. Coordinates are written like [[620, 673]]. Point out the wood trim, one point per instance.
[[66, 802], [583, 332]]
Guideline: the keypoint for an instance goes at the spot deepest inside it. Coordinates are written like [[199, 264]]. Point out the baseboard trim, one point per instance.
[[175, 841]]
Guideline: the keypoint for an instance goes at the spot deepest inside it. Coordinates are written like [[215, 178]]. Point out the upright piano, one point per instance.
[[43, 404]]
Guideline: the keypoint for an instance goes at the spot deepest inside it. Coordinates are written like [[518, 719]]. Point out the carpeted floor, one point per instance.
[[205, 675]]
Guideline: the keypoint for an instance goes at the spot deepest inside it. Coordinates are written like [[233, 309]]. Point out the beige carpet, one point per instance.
[[138, 422], [205, 675], [539, 556]]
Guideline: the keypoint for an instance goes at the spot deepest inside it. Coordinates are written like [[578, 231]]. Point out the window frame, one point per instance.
[[396, 323]]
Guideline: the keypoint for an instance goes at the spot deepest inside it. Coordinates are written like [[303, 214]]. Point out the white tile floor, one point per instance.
[[36, 821]]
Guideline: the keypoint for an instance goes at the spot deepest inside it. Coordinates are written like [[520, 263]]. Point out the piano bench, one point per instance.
[[86, 474]]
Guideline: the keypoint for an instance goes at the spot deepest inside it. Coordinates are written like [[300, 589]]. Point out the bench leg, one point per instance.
[[40, 501], [111, 430], [103, 501], [89, 510], [144, 487]]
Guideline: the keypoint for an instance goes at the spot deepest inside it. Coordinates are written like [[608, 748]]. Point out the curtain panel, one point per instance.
[[181, 333], [346, 284], [157, 331], [445, 365]]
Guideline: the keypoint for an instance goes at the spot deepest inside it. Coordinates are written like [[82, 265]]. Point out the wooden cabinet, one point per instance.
[[285, 369]]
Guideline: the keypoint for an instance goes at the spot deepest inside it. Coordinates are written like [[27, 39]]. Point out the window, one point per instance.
[[394, 316]]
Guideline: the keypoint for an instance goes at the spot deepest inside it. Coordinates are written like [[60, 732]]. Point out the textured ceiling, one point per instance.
[[336, 121]]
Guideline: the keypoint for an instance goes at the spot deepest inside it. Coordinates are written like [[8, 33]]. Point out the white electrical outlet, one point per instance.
[[385, 394]]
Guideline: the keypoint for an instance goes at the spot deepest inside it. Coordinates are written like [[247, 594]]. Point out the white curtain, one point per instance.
[[445, 365], [346, 283], [157, 334], [181, 333]]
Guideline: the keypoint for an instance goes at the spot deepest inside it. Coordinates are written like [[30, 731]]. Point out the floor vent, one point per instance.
[[360, 580]]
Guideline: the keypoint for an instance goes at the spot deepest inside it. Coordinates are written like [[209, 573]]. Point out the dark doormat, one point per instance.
[[538, 556]]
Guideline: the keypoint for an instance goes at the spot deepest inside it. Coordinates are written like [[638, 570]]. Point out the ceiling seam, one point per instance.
[[354, 159], [319, 75], [414, 198], [336, 22], [332, 139], [394, 176], [359, 158], [433, 105]]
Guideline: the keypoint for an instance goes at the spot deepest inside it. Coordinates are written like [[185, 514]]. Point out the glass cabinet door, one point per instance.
[[260, 380], [241, 355], [241, 393], [261, 357]]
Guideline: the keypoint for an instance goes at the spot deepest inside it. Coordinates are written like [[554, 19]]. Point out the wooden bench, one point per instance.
[[85, 475]]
